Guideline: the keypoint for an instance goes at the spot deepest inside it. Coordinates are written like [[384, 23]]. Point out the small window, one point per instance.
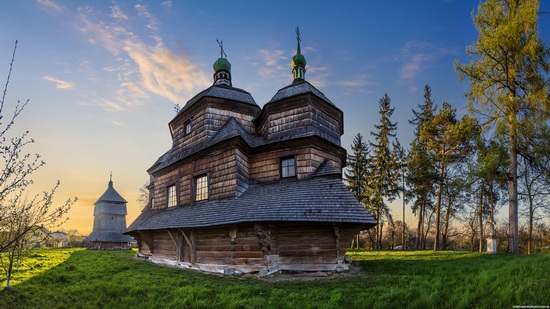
[[288, 167], [187, 127], [171, 196], [201, 188]]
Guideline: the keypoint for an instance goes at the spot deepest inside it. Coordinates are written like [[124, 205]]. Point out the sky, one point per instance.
[[103, 77]]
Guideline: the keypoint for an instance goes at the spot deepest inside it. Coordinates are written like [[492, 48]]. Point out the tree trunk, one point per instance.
[[513, 231], [420, 227], [481, 217], [379, 236], [528, 188], [447, 222], [427, 230], [437, 244], [376, 243], [530, 241]]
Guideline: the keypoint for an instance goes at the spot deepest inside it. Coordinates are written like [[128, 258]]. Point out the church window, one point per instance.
[[288, 167], [171, 196], [187, 126], [201, 188]]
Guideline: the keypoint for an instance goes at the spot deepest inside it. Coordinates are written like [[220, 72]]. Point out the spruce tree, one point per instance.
[[357, 170], [385, 176], [421, 166]]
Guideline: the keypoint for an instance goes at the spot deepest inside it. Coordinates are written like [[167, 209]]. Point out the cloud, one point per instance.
[[117, 13], [161, 71], [51, 5], [357, 82], [413, 66], [416, 56], [153, 24], [272, 64], [142, 68], [60, 84], [318, 75], [167, 5]]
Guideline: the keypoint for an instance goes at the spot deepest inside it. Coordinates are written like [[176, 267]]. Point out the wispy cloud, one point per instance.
[[271, 61], [318, 75], [142, 67], [415, 56], [51, 6], [117, 13], [167, 5], [59, 84], [358, 81]]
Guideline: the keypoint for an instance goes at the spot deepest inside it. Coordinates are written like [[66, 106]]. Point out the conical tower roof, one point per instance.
[[111, 195]]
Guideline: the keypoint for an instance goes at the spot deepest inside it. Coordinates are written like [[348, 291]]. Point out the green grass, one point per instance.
[[75, 278]]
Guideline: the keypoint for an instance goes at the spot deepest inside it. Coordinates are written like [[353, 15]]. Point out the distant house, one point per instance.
[[246, 189], [109, 222], [58, 239], [38, 237]]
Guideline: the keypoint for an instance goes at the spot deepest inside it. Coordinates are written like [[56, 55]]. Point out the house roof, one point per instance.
[[222, 92], [320, 199], [231, 129], [296, 88], [108, 236], [111, 196]]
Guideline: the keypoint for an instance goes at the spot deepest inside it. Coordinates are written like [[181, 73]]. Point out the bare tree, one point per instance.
[[19, 215], [143, 197]]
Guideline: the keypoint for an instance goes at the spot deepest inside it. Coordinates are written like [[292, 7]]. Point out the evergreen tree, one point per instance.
[[385, 176], [356, 172], [448, 140], [421, 167], [508, 79], [489, 171]]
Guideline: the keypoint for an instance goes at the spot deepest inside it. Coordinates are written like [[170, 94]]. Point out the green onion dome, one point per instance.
[[298, 59], [222, 64]]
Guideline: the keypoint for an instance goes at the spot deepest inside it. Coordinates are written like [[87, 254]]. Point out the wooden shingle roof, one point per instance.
[[298, 88], [320, 199], [229, 130], [222, 92], [111, 196]]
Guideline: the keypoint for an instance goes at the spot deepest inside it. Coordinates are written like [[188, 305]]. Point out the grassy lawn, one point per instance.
[[76, 278]]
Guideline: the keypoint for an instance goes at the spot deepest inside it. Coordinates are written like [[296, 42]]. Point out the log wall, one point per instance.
[[227, 172], [217, 246], [299, 116], [206, 122], [306, 243], [264, 167], [163, 246]]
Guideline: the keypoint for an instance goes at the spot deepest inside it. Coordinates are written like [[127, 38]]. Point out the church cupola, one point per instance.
[[222, 68], [298, 61]]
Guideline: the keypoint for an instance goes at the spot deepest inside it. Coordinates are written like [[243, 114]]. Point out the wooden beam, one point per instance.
[[193, 236], [176, 242], [192, 244], [186, 239], [337, 236]]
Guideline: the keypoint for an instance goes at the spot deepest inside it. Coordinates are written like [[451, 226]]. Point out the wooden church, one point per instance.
[[246, 189]]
